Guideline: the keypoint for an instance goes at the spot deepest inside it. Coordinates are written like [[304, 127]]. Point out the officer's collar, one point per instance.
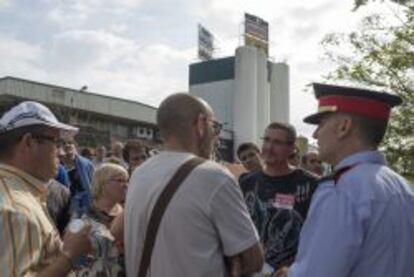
[[362, 157]]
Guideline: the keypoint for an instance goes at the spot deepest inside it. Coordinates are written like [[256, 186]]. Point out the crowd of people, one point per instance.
[[136, 211]]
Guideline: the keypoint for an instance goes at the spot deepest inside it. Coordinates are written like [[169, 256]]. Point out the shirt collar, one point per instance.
[[37, 187], [362, 157]]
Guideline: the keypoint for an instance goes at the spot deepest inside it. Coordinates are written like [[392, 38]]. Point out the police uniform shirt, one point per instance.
[[359, 225]]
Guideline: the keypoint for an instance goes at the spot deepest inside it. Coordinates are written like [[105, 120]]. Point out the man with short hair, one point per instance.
[[361, 219], [206, 220], [100, 155], [249, 155], [87, 153], [117, 152], [312, 163], [29, 136], [278, 197], [134, 153], [116, 149], [80, 171]]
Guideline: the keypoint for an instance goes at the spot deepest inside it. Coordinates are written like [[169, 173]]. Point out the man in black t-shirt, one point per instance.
[[278, 197]]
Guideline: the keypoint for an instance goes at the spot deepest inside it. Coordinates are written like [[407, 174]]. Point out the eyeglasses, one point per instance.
[[267, 140], [52, 139], [217, 126]]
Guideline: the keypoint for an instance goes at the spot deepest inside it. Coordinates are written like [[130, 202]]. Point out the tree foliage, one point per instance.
[[381, 55], [359, 3]]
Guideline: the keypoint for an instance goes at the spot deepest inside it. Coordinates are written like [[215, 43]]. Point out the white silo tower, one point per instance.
[[245, 96], [279, 93], [263, 97]]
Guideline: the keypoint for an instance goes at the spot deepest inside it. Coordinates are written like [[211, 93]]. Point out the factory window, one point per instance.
[[120, 130]]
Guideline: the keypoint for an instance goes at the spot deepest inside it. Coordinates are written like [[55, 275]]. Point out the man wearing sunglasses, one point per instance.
[[31, 246], [278, 197]]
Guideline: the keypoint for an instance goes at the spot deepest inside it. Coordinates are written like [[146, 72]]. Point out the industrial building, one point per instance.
[[246, 91], [100, 118]]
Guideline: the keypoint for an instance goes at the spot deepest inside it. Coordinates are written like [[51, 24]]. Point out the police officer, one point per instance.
[[361, 220]]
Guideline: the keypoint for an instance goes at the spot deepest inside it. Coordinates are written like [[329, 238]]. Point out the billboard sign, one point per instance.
[[256, 32], [205, 44]]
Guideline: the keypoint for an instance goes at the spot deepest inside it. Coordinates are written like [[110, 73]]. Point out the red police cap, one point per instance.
[[356, 101]]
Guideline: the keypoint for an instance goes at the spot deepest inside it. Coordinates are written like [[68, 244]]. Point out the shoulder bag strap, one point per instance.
[[159, 210]]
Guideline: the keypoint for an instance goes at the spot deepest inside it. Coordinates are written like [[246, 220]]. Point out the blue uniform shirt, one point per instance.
[[360, 226]]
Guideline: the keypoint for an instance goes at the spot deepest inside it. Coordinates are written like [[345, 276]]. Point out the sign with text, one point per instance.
[[256, 32], [205, 44]]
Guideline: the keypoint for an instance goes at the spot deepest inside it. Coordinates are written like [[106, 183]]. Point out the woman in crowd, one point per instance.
[[109, 187]]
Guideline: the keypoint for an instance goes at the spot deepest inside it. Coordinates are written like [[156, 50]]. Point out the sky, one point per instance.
[[140, 49]]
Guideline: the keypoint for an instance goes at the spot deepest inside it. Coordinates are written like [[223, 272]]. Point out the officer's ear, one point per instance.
[[345, 126]]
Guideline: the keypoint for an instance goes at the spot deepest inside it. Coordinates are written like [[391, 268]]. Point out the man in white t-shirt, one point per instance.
[[206, 221]]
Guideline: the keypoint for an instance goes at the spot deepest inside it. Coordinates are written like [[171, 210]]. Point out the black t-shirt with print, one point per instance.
[[278, 207]]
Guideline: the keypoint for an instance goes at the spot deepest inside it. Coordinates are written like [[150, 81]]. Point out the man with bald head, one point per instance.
[[206, 220]]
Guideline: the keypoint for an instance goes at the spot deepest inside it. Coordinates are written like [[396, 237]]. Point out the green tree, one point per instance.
[[359, 3], [381, 55]]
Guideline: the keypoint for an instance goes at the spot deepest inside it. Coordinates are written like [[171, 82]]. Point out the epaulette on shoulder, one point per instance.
[[336, 175], [326, 179]]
